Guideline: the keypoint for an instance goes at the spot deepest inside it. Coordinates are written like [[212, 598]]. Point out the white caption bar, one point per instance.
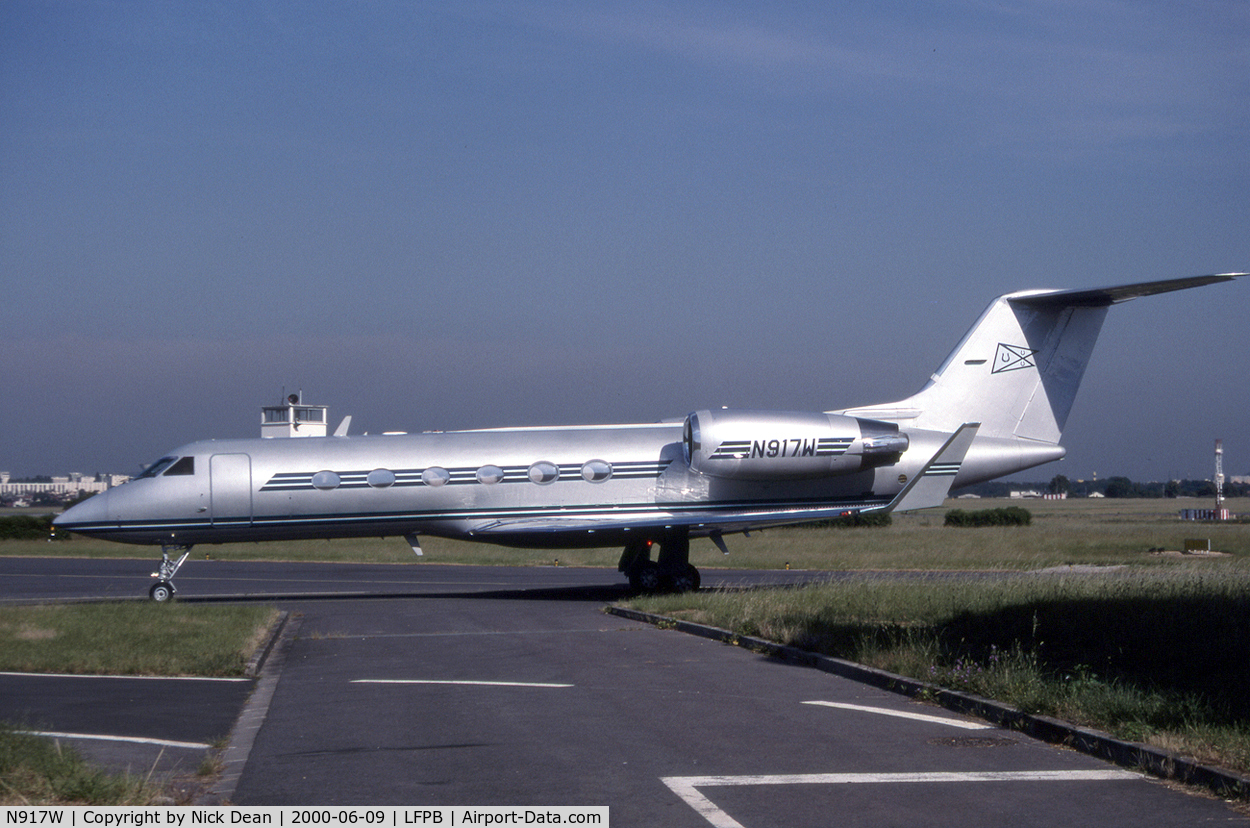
[[122, 816]]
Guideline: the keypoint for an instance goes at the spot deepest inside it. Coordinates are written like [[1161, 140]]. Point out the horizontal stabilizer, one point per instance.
[[930, 487], [1100, 297]]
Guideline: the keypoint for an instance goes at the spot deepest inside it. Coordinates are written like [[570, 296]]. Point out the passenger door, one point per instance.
[[230, 489]]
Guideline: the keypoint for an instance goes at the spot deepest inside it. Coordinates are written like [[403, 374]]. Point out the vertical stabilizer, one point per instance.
[[1018, 369]]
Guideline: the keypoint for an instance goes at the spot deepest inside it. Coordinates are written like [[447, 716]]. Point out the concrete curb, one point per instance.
[[257, 662], [1151, 760]]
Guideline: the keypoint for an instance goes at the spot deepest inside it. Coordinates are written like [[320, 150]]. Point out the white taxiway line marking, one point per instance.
[[902, 714], [134, 739], [686, 786], [470, 683]]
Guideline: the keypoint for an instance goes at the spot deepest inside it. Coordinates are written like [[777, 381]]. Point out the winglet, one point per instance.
[[930, 487]]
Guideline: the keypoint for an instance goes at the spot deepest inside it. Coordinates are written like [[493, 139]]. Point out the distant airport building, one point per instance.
[[70, 485], [1034, 494], [1206, 514]]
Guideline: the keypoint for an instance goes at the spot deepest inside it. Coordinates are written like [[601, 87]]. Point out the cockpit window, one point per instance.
[[157, 467], [184, 466]]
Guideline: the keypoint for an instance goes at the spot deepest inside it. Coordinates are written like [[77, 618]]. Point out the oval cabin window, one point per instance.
[[596, 471], [325, 480], [489, 475], [435, 476], [543, 473], [381, 478]]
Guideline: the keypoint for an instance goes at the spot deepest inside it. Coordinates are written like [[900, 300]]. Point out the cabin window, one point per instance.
[[381, 478], [325, 480], [185, 466], [596, 471], [435, 476], [489, 474], [543, 473]]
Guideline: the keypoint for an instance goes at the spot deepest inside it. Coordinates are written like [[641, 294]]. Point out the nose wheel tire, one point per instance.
[[161, 592]]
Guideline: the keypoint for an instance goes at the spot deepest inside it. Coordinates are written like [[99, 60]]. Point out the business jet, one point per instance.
[[996, 406]]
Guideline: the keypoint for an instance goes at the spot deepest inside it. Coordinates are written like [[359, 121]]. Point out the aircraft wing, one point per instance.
[[699, 519]]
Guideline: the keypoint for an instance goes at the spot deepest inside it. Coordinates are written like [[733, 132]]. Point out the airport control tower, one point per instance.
[[293, 419]]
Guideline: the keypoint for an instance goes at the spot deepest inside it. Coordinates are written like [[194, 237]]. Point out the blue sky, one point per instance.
[[433, 215]]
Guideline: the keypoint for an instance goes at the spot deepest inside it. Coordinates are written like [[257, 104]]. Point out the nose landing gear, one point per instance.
[[163, 590]]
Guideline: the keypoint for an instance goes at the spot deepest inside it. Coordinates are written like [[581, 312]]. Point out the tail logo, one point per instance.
[[1012, 358]]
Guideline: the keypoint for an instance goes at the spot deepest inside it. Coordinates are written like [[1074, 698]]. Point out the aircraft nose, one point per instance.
[[80, 518]]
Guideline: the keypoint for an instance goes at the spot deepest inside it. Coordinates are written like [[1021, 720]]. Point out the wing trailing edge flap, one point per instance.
[[927, 489]]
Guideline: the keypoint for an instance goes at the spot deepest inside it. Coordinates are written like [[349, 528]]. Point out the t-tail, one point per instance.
[[1017, 371]]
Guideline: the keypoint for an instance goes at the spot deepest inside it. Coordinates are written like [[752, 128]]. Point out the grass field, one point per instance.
[[131, 638]]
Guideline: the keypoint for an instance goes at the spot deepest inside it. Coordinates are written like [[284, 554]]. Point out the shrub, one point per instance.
[[855, 519], [25, 527], [1008, 516]]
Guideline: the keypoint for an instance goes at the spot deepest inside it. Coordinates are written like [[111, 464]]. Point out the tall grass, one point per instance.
[[1154, 655], [38, 771]]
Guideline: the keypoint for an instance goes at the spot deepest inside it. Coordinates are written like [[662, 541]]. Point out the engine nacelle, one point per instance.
[[787, 445]]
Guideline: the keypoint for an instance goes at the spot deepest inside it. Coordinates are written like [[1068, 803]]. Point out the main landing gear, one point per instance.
[[163, 590], [673, 572]]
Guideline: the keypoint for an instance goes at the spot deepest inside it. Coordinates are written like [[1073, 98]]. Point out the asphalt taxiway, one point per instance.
[[501, 686]]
